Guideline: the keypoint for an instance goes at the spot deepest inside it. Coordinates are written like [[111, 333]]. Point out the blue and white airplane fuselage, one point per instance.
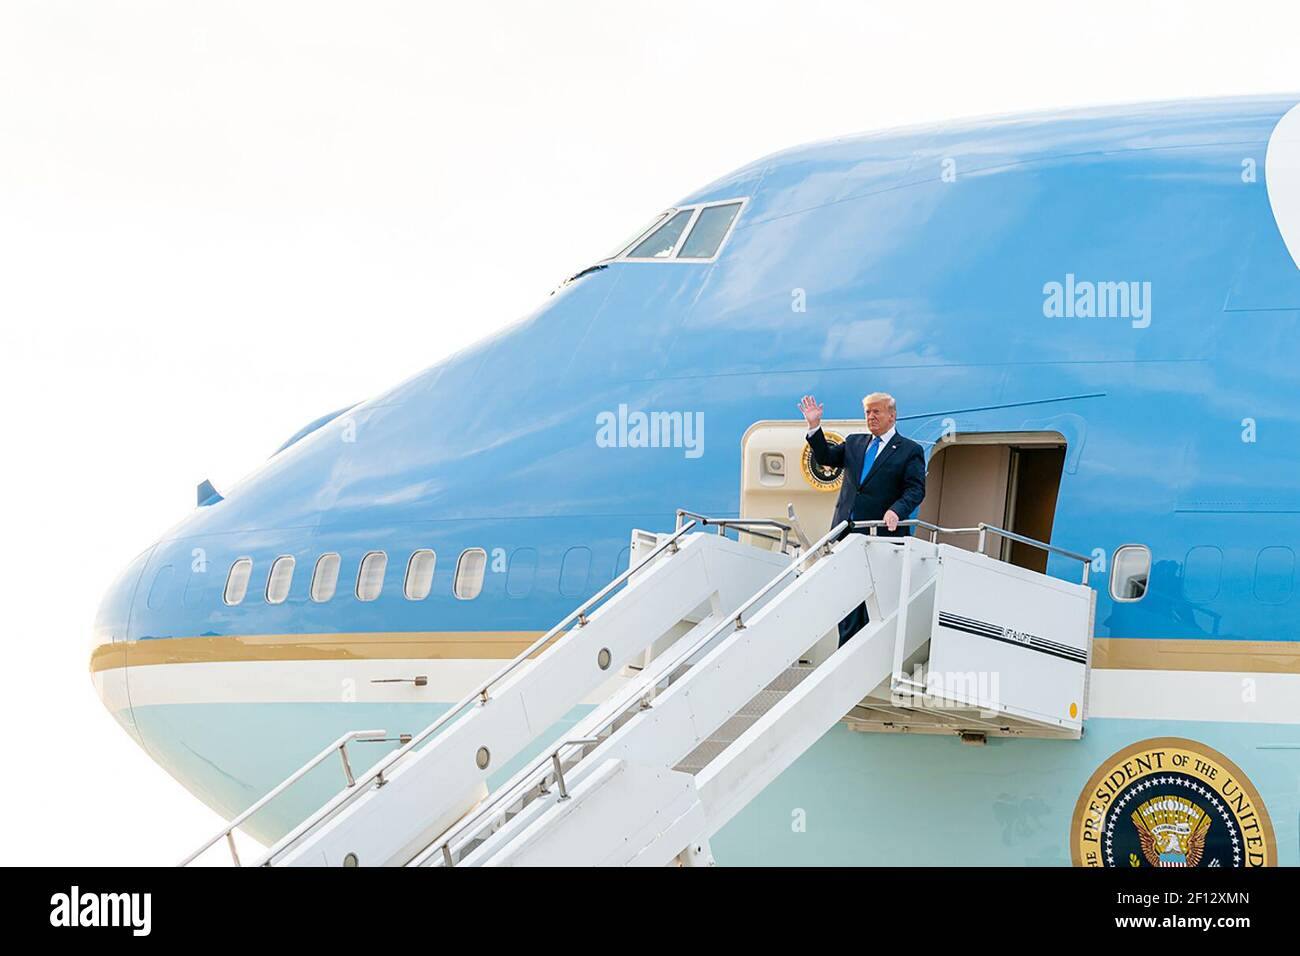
[[1125, 279]]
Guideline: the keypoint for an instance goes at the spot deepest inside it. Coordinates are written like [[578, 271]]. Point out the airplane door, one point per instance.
[[1008, 479]]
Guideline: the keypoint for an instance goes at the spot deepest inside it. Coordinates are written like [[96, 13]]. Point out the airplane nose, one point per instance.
[[109, 643]]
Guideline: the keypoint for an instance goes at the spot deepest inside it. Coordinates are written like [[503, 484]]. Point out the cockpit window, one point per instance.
[[644, 230], [708, 232], [661, 243], [693, 233]]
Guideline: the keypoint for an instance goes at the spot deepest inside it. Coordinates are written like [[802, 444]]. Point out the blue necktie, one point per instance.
[[869, 458]]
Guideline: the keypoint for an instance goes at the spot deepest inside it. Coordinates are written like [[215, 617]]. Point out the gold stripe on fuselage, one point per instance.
[[382, 646], [1260, 657], [1170, 654]]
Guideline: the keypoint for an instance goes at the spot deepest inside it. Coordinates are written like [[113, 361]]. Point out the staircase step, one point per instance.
[[746, 717]]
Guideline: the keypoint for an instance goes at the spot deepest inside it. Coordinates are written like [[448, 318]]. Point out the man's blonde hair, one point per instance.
[[880, 397]]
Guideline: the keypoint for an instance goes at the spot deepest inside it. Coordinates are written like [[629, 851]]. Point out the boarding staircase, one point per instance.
[[724, 654]]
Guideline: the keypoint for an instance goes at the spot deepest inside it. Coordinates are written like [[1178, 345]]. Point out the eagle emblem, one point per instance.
[[1171, 802], [1171, 830], [820, 476]]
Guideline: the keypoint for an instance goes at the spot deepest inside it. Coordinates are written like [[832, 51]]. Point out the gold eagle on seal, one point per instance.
[[1171, 830], [822, 477]]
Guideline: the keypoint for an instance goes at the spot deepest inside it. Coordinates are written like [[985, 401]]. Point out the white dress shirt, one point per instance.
[[885, 439]]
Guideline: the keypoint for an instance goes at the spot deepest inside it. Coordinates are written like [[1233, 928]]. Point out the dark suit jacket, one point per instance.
[[895, 483]]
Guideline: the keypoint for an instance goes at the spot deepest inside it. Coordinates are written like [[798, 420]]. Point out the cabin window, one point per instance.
[[325, 578], [711, 227], [370, 576], [1128, 572], [278, 581], [1274, 575], [574, 570], [419, 575], [621, 561], [521, 573], [1202, 574], [196, 588], [469, 574], [661, 243], [237, 581]]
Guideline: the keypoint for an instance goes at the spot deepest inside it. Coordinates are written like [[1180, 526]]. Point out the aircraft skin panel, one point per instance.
[[1125, 276]]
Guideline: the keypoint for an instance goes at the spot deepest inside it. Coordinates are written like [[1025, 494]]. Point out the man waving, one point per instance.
[[884, 475]]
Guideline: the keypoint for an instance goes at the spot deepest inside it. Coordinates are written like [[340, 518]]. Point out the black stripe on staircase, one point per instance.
[[978, 628]]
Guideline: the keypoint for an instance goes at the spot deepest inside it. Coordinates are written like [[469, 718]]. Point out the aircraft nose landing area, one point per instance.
[[108, 644]]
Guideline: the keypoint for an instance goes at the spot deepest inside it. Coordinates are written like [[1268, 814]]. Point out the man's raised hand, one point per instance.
[[812, 412]]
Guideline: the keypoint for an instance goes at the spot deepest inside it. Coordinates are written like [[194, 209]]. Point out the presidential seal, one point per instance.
[[819, 476], [1171, 802]]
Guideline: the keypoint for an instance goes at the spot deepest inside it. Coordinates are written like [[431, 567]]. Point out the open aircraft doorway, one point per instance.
[[1008, 479]]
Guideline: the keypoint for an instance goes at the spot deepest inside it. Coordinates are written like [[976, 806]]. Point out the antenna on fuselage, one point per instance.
[[207, 494]]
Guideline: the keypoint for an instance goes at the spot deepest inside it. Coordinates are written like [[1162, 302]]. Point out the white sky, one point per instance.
[[219, 221]]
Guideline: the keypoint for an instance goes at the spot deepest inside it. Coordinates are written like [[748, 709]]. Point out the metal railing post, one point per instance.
[[559, 775], [347, 767]]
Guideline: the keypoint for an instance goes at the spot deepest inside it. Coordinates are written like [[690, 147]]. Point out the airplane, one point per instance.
[[1089, 318]]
